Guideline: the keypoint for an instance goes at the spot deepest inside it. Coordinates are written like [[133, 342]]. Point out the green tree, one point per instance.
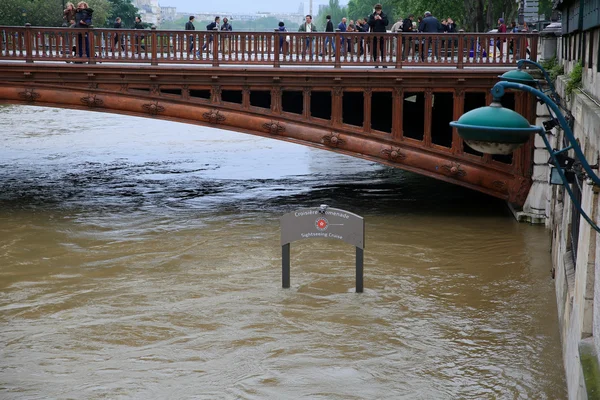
[[45, 12], [124, 9], [335, 10], [364, 8], [11, 12]]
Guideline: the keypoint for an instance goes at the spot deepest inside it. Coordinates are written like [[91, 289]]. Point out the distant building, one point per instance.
[[150, 11], [168, 13]]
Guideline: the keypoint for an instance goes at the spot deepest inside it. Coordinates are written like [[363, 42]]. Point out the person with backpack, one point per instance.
[[213, 26], [281, 28]]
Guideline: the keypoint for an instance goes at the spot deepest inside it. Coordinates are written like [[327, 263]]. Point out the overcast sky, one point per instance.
[[234, 6]]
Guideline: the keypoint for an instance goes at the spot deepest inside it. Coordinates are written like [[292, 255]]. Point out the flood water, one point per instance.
[[141, 259]]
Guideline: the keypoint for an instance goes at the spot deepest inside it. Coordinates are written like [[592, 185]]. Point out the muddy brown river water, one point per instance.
[[141, 259]]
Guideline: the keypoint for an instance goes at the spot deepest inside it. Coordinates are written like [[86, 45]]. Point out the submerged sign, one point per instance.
[[322, 222]]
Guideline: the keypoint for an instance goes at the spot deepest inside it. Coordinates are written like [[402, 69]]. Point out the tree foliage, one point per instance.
[[48, 12], [123, 9], [266, 24], [336, 11], [470, 15], [363, 8]]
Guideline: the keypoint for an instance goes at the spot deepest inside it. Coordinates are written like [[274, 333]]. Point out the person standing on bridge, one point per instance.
[[68, 14], [213, 26], [396, 28], [226, 39], [378, 22], [83, 19], [138, 38], [307, 26], [342, 27], [281, 28], [118, 25], [328, 39], [429, 24], [189, 26], [407, 27], [500, 40]]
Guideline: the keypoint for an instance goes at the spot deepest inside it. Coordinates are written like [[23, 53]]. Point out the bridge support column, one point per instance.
[[536, 209]]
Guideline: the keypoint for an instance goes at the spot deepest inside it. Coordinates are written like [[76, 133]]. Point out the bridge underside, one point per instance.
[[397, 118]]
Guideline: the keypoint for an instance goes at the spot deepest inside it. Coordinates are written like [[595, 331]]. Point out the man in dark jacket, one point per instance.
[[138, 38], [407, 27], [226, 39], [377, 22], [189, 26], [429, 24], [329, 39], [117, 25], [451, 26]]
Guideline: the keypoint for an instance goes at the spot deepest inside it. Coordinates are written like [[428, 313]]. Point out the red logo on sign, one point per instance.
[[321, 224]]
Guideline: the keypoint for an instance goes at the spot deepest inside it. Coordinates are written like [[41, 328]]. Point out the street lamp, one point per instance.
[[498, 130], [520, 76]]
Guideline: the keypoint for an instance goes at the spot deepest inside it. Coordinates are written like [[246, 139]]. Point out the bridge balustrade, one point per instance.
[[276, 49]]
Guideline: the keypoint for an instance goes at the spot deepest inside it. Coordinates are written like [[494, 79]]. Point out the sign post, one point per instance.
[[322, 222]]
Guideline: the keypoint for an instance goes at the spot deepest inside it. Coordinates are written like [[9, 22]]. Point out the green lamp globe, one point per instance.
[[494, 129], [518, 76]]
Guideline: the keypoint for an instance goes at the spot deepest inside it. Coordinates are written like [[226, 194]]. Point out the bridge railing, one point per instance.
[[336, 49]]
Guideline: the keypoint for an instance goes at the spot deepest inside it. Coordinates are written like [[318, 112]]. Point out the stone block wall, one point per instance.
[[578, 279]]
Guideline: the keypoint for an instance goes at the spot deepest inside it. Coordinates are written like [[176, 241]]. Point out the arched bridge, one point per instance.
[[397, 116]]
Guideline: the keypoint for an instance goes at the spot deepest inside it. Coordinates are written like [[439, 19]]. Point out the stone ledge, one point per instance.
[[590, 366], [531, 218]]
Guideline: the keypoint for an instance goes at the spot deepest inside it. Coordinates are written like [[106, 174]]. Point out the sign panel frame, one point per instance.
[[322, 222]]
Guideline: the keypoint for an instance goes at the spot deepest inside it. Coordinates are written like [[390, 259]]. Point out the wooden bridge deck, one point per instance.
[[455, 50]]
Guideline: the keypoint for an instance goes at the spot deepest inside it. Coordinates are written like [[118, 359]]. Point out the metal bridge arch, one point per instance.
[[147, 92]]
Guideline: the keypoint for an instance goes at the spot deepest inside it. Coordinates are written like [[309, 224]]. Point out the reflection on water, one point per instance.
[[141, 259]]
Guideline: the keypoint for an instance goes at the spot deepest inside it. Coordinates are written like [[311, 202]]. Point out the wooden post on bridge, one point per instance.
[[276, 50], [461, 49], [153, 49], [91, 44], [28, 44], [216, 34], [399, 49], [336, 46]]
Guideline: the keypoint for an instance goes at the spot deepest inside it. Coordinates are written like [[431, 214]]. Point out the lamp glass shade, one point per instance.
[[518, 76], [494, 129]]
